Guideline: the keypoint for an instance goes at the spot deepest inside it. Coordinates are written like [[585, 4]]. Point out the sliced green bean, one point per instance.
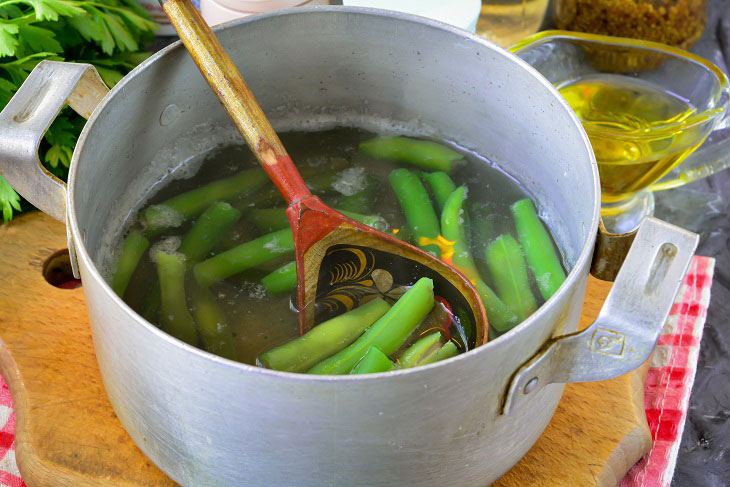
[[421, 153], [208, 229], [150, 310], [441, 187], [448, 350], [423, 347], [389, 333], [498, 314], [175, 318], [282, 280], [244, 257], [509, 271], [416, 205], [132, 250], [324, 339], [212, 325], [186, 205], [269, 219], [272, 219], [270, 196], [539, 248], [364, 200], [373, 362]]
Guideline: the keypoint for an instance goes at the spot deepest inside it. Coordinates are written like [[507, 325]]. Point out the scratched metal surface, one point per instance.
[[704, 207]]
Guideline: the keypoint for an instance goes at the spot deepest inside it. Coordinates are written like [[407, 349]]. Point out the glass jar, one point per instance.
[[677, 23]]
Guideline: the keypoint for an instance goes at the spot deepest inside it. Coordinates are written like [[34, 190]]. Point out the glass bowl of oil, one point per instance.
[[646, 108]]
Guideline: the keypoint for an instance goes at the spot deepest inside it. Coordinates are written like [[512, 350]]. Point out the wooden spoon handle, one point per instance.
[[231, 90]]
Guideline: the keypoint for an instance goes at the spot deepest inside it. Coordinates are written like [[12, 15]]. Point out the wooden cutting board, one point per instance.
[[68, 435]]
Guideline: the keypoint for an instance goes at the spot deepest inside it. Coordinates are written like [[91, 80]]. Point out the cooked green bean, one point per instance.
[[175, 318], [448, 350], [417, 208], [509, 271], [172, 212], [498, 314], [269, 219], [539, 248], [422, 153], [416, 352], [208, 229], [244, 257], [363, 200], [272, 219], [389, 333], [324, 339], [131, 252], [282, 280], [373, 362], [441, 187], [212, 325], [150, 310]]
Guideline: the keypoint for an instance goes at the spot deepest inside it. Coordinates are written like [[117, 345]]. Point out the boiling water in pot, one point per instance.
[[261, 317]]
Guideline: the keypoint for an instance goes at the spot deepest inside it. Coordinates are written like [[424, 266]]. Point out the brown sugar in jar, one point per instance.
[[678, 23]]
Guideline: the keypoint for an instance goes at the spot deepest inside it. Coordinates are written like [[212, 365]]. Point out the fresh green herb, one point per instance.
[[105, 33]]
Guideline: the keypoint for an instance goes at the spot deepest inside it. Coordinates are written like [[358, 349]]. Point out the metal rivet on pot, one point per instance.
[[169, 114], [530, 386]]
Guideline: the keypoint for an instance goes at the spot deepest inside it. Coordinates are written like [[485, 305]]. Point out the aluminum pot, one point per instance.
[[205, 420]]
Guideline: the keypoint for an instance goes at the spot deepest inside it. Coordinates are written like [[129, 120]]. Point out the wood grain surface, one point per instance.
[[68, 435]]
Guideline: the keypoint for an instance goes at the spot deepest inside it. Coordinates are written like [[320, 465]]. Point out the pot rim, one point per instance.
[[573, 276]]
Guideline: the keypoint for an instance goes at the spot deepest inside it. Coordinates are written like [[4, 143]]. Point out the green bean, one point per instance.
[[208, 229], [420, 349], [441, 187], [539, 248], [244, 257], [416, 205], [317, 180], [509, 271], [362, 201], [271, 219], [422, 153], [448, 350], [482, 233], [324, 339], [268, 197], [388, 333], [373, 362], [186, 205], [131, 252], [282, 280], [215, 334], [150, 310], [498, 314], [175, 318]]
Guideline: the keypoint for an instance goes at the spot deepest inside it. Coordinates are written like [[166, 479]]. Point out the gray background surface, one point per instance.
[[704, 455]]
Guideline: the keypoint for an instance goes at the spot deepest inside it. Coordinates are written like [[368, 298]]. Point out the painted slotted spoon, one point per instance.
[[338, 260]]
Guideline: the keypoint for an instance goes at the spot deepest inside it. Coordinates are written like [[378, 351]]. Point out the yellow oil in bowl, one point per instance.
[[639, 131]]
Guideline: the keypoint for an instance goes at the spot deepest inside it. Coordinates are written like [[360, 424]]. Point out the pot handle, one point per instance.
[[27, 117], [628, 326]]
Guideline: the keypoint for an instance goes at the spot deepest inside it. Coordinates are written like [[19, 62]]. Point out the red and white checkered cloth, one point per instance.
[[670, 378], [668, 387]]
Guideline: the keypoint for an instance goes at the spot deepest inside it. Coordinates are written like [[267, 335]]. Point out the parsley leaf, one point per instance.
[[9, 200], [105, 33]]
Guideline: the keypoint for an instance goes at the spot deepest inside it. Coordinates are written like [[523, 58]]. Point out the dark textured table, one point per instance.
[[704, 455]]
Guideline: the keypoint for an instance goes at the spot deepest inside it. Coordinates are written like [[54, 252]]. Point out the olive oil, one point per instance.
[[505, 22], [638, 130]]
